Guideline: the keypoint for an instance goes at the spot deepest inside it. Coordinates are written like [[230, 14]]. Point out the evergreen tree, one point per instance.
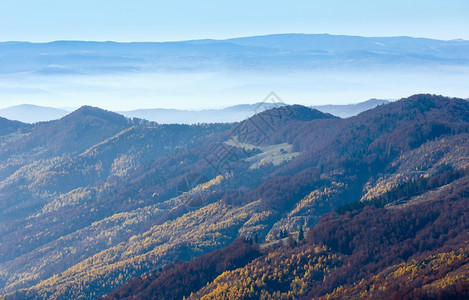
[[301, 234]]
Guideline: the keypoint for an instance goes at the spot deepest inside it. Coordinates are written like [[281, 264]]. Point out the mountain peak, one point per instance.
[[261, 128], [433, 103], [373, 102], [86, 112], [296, 112], [78, 130]]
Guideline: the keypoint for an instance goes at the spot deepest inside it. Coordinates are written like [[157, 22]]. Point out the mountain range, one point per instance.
[[97, 204], [28, 113], [302, 68], [238, 113], [292, 51]]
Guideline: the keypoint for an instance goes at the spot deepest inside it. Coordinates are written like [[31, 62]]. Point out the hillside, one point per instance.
[[419, 252], [84, 212], [9, 127]]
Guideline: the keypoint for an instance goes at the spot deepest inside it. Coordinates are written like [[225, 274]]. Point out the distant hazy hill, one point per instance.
[[176, 116], [291, 51], [28, 113], [32, 113], [238, 113], [348, 110]]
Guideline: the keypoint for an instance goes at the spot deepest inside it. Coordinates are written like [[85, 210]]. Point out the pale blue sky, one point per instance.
[[147, 20]]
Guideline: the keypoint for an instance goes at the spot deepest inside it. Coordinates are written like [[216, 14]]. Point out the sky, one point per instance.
[[149, 20]]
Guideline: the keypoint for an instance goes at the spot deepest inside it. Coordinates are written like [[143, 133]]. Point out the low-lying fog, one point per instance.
[[198, 90]]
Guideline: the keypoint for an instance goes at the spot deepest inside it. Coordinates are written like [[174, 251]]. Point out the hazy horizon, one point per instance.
[[311, 98], [196, 79], [226, 38], [144, 20], [216, 74], [197, 91]]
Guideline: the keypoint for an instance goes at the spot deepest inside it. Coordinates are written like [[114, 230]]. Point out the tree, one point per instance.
[[301, 234]]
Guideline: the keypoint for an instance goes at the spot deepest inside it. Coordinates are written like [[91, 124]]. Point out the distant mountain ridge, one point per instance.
[[304, 68], [349, 110], [229, 114], [27, 113], [271, 51]]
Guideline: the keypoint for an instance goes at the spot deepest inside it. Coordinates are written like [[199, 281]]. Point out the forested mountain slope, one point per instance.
[[82, 218], [9, 127], [417, 251]]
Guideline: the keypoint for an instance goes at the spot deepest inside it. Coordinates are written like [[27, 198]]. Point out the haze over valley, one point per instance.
[[307, 69]]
